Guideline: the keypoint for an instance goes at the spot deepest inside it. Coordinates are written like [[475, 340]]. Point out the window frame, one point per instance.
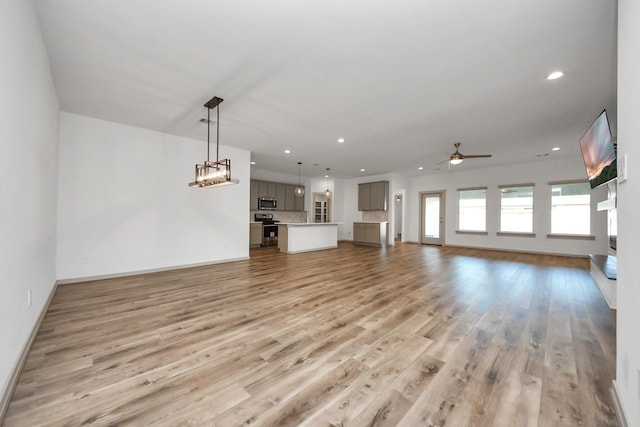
[[460, 230], [587, 236], [531, 233]]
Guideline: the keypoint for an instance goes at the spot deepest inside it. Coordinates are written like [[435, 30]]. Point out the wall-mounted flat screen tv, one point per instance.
[[599, 153]]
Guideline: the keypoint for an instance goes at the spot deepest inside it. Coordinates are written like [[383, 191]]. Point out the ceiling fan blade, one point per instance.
[[439, 163], [476, 156]]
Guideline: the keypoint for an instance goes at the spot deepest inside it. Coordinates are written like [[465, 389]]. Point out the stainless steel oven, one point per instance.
[[266, 203], [269, 229]]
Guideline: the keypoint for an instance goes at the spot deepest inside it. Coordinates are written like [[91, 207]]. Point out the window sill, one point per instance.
[[515, 234], [482, 233], [571, 236]]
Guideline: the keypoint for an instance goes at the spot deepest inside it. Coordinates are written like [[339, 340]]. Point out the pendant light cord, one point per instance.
[[218, 133]]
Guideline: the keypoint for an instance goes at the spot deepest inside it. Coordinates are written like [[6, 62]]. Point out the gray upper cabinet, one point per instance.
[[289, 203], [253, 198], [283, 193], [262, 188], [272, 191], [364, 197], [373, 196], [298, 202]]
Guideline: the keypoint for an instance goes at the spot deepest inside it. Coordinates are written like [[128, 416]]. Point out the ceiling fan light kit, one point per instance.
[[457, 157], [209, 173]]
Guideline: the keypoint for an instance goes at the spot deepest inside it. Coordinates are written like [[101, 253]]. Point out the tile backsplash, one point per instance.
[[284, 216], [375, 216]]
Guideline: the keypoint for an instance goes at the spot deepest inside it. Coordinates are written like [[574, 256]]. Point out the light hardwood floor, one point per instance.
[[356, 336]]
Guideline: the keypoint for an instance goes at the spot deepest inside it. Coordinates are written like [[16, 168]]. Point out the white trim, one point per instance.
[[617, 403], [519, 251], [139, 272], [19, 366]]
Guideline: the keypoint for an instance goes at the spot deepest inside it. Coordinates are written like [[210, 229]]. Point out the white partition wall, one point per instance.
[[628, 284], [124, 204], [28, 177]]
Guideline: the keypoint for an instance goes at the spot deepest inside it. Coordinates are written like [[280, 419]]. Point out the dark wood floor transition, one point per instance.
[[356, 336]]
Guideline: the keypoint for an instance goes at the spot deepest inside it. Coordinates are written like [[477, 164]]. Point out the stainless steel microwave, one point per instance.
[[267, 203]]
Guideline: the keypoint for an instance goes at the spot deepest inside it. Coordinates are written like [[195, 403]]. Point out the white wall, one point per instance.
[[124, 204], [28, 170], [539, 173], [628, 344]]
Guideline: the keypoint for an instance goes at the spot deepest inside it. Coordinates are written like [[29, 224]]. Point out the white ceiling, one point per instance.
[[400, 80]]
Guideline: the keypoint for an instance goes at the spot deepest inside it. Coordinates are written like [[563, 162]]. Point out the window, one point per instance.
[[516, 208], [472, 209], [571, 208]]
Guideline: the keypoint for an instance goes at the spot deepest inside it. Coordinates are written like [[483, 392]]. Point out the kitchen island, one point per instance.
[[298, 237]]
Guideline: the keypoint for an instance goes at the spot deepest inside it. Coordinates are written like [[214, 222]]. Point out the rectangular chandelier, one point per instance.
[[213, 174]]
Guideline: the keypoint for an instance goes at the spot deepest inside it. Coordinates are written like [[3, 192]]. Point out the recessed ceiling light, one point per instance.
[[340, 140], [362, 170], [555, 75], [420, 168], [287, 151], [326, 176], [253, 163], [555, 148]]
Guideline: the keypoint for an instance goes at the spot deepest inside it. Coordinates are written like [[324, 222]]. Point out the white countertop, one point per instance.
[[370, 222], [304, 224]]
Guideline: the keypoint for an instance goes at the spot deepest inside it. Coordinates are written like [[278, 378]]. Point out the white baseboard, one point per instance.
[[17, 369], [518, 251], [617, 403], [139, 272]]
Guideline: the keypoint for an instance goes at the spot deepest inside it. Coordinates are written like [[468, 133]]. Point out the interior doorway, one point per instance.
[[397, 223], [432, 218], [321, 208]]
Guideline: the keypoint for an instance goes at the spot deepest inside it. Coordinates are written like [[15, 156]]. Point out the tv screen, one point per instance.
[[599, 153]]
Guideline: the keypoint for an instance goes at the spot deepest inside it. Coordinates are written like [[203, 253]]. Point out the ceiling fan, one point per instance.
[[457, 157]]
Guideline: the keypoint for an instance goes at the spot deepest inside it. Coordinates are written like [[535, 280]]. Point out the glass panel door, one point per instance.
[[432, 218]]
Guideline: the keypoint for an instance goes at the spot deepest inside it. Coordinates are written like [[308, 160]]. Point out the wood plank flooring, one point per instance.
[[356, 336]]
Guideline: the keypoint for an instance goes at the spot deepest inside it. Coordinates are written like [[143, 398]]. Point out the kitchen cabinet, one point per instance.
[[359, 232], [290, 196], [262, 188], [254, 194], [298, 202], [373, 196], [364, 197], [267, 189], [283, 193], [255, 234], [371, 233], [272, 190]]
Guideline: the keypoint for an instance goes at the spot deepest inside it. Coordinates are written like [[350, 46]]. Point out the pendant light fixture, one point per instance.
[[299, 191], [218, 173], [327, 193]]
